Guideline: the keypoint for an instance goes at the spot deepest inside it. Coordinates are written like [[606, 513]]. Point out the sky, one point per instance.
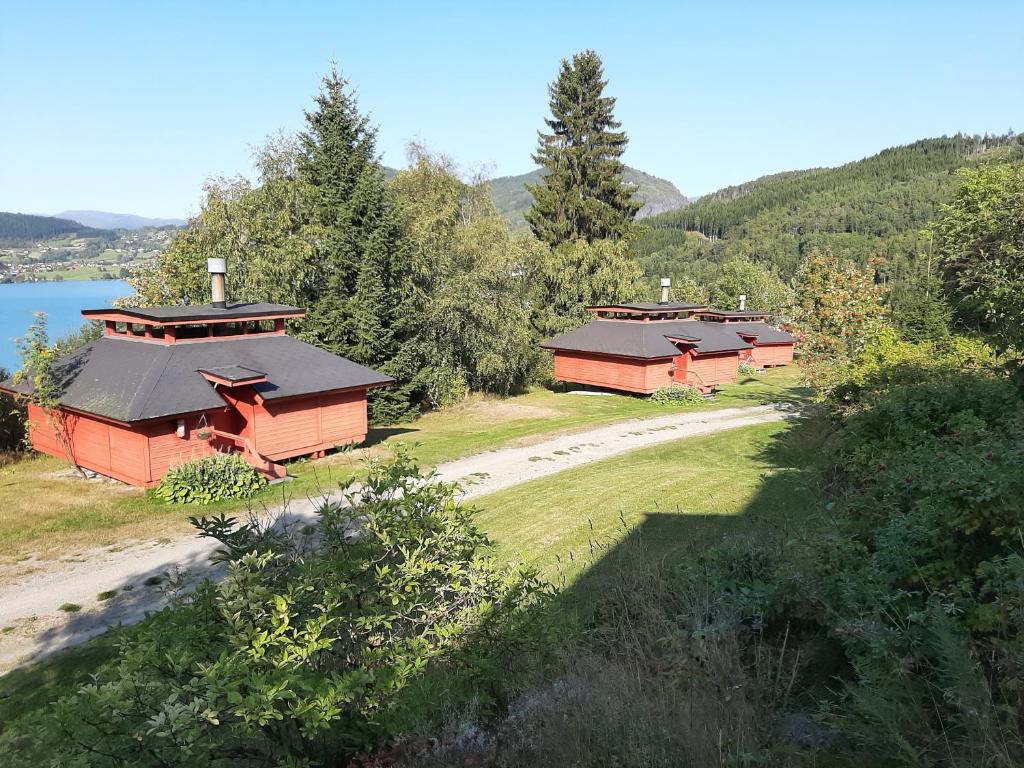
[[128, 107]]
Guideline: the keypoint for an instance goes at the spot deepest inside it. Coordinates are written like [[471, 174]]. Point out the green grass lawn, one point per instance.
[[678, 495], [79, 515]]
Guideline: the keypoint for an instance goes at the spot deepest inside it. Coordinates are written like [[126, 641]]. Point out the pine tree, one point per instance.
[[582, 195]]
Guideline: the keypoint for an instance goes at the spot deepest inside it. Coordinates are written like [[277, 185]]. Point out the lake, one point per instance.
[[62, 302]]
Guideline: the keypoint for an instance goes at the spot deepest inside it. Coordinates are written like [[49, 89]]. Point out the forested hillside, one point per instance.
[[875, 206], [513, 200], [21, 228]]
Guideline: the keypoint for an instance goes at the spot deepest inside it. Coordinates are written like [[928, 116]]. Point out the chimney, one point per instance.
[[743, 301], [666, 283], [218, 269]]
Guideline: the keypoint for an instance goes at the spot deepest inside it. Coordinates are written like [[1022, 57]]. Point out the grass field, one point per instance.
[[46, 510], [682, 495]]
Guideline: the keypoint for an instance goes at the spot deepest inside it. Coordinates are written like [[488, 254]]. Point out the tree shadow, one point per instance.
[[377, 435]]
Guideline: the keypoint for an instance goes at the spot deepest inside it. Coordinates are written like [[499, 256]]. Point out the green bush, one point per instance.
[[203, 481], [12, 421], [300, 657], [677, 395]]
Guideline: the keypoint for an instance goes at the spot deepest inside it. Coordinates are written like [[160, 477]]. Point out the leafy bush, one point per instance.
[[203, 481], [748, 368], [677, 395], [303, 656], [12, 421], [886, 361]]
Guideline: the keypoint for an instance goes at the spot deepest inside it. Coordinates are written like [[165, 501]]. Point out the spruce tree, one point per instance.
[[365, 302], [582, 195]]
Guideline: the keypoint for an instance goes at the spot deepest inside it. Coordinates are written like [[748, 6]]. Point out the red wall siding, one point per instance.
[[166, 449], [771, 354], [304, 425], [622, 373], [110, 449], [343, 417], [709, 370]]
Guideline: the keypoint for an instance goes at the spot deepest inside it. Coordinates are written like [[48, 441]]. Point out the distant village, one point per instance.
[[72, 257]]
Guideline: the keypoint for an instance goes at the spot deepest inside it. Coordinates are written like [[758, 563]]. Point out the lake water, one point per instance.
[[62, 302]]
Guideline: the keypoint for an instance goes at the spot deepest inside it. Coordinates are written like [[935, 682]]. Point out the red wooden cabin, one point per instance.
[[168, 384], [644, 347]]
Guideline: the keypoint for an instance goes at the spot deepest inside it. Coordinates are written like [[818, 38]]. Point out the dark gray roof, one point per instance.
[[650, 306], [765, 333], [633, 338], [198, 312], [130, 380]]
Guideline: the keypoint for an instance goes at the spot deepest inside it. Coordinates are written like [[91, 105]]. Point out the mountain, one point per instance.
[[104, 220], [22, 228], [510, 195], [877, 205]]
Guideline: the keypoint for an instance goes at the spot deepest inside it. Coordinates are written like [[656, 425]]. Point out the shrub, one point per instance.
[[203, 481], [748, 368], [303, 657], [677, 395], [12, 422]]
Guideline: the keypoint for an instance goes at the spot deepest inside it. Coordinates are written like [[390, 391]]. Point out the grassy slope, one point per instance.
[[79, 515], [691, 492]]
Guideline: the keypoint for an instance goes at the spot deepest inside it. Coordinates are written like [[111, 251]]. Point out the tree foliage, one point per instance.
[[38, 371], [765, 292], [838, 305], [474, 323], [981, 239], [566, 279], [582, 195], [12, 420]]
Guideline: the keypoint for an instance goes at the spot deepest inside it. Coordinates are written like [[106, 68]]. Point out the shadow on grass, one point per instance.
[[377, 435], [787, 500]]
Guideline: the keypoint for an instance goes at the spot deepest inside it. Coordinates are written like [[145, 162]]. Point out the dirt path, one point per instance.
[[136, 574]]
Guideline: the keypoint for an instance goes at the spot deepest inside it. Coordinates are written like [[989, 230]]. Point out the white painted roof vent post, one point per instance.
[[743, 301], [666, 283], [217, 268]]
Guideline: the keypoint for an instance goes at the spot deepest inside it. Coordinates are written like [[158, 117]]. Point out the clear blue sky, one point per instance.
[[128, 107]]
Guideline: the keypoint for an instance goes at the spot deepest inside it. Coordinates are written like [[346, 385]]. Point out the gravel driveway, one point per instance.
[[30, 603]]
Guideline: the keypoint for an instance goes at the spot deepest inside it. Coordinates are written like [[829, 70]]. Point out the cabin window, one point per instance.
[[121, 328], [138, 329], [156, 331]]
